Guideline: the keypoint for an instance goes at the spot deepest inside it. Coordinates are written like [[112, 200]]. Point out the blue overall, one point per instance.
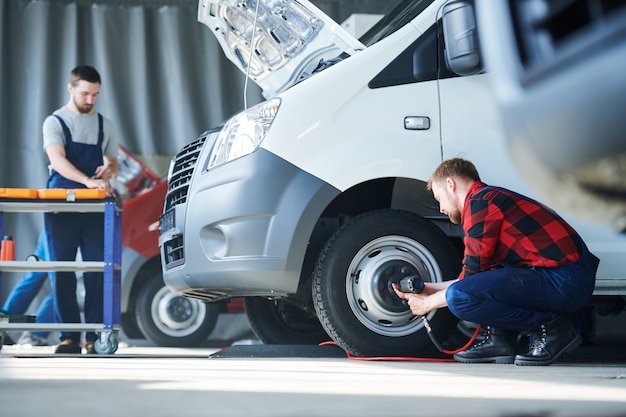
[[520, 299], [69, 231]]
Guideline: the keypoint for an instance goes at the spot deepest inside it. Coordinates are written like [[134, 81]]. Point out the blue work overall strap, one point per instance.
[[86, 158]]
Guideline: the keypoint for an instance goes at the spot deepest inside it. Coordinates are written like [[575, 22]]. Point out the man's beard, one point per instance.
[[83, 109], [455, 217]]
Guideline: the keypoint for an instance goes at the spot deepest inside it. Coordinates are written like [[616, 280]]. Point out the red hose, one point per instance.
[[468, 344], [410, 358]]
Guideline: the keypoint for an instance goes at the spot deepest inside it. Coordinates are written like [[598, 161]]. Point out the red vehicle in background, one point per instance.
[[148, 308]]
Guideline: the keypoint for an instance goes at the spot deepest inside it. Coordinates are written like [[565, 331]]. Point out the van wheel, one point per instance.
[[168, 319], [352, 290], [283, 322]]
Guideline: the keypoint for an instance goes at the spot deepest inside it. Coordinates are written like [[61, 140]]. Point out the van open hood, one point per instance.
[[290, 38]]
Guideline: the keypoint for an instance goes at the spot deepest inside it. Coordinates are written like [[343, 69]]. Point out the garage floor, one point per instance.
[[254, 380]]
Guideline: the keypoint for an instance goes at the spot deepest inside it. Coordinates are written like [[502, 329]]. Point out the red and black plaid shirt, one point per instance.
[[503, 227]]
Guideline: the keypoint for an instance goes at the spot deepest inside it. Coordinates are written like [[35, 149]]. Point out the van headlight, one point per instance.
[[243, 133]]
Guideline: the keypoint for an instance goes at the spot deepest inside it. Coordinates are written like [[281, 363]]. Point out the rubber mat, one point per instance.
[[280, 351]]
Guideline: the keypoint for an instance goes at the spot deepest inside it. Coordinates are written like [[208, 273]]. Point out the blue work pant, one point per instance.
[[523, 298], [67, 232], [29, 286]]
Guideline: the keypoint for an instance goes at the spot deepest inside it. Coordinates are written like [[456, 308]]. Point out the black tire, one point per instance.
[[282, 322], [169, 319], [128, 322], [352, 290]]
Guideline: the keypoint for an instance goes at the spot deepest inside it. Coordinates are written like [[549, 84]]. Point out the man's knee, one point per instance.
[[457, 299]]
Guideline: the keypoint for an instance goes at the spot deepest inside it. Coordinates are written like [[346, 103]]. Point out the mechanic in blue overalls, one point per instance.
[[82, 148]]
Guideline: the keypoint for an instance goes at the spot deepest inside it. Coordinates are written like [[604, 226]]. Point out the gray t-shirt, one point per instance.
[[83, 128]]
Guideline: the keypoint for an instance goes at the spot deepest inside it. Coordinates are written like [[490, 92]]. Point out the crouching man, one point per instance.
[[524, 270]]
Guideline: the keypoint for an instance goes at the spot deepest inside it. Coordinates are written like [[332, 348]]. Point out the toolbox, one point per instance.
[[18, 193], [71, 194], [53, 194]]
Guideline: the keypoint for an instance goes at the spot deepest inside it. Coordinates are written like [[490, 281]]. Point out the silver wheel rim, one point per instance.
[[368, 283], [175, 315]]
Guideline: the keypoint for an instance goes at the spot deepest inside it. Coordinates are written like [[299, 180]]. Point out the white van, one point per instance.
[[313, 202]]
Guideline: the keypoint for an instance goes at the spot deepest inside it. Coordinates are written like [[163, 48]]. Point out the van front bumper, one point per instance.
[[244, 229]]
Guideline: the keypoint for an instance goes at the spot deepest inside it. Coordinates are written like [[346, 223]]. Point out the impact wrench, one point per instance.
[[415, 285]]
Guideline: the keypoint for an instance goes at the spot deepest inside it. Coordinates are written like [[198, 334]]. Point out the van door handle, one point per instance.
[[416, 123]]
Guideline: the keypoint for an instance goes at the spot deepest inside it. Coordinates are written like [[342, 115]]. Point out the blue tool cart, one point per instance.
[[111, 266]]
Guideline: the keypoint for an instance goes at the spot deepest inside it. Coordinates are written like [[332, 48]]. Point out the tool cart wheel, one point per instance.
[[106, 343]]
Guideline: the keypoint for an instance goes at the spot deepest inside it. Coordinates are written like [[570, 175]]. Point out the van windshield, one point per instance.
[[399, 16]]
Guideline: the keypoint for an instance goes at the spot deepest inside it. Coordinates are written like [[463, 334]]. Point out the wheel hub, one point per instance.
[[383, 276], [175, 312]]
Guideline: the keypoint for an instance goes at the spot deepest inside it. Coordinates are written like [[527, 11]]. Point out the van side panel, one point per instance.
[[357, 133]]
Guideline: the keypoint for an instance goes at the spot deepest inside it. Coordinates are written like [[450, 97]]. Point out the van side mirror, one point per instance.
[[462, 51]]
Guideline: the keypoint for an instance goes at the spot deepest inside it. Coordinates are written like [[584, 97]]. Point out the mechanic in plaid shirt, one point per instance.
[[524, 269]]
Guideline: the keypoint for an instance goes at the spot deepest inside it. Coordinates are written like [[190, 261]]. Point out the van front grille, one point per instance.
[[184, 164]]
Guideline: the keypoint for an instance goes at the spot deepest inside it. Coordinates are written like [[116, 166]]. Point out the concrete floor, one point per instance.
[[151, 381]]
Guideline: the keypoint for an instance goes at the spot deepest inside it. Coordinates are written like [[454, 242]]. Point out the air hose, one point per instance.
[[415, 285]]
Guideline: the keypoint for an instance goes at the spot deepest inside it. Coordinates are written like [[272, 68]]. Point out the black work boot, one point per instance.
[[498, 346], [549, 342]]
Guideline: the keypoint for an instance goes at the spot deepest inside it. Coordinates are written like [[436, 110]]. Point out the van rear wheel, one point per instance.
[[352, 290]]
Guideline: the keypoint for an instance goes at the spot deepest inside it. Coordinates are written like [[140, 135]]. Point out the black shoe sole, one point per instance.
[[70, 349], [498, 360], [67, 351], [523, 360]]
